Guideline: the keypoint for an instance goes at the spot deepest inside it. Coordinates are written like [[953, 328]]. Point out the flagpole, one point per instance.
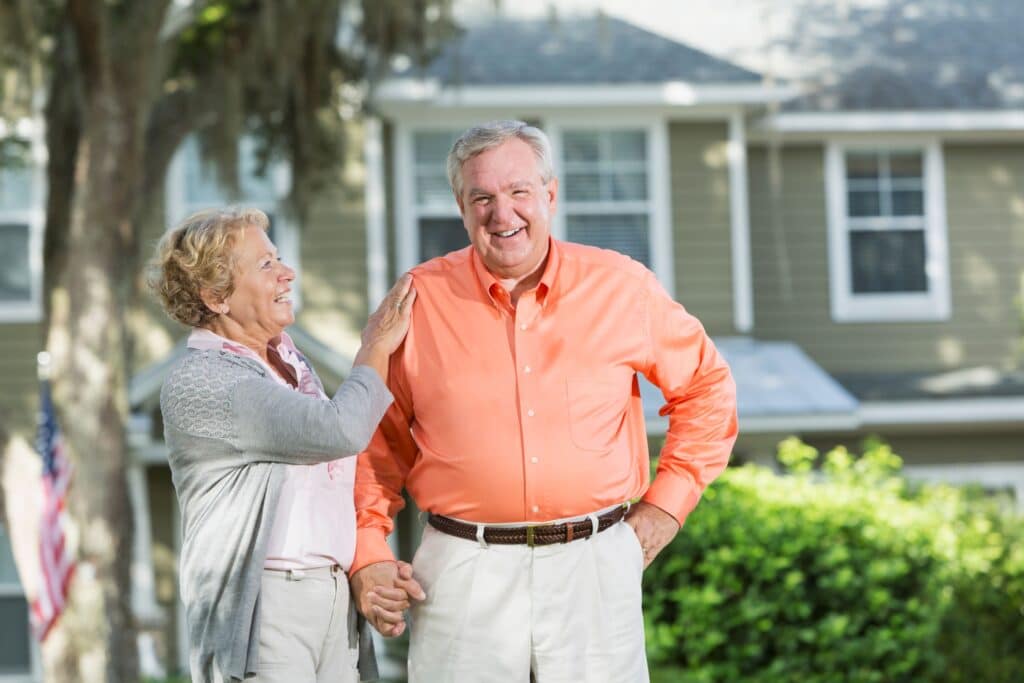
[[43, 365]]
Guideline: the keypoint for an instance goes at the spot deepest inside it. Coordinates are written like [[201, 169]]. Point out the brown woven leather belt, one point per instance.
[[531, 534]]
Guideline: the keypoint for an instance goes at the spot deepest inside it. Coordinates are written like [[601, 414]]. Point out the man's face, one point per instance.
[[507, 209]]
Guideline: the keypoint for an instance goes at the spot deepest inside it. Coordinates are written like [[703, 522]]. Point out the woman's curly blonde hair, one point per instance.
[[198, 254]]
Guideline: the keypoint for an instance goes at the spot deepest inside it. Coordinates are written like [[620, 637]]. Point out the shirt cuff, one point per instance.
[[379, 395], [674, 495], [371, 547]]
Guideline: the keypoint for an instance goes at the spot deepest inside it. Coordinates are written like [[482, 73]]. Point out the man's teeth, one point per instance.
[[508, 233], [282, 299]]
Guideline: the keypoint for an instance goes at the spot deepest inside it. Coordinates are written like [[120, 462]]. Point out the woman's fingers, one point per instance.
[[396, 296]]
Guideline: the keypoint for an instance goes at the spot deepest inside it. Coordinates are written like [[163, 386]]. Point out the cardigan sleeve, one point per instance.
[[280, 425], [219, 397]]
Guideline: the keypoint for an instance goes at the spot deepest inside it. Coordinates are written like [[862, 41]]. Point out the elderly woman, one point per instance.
[[260, 457]]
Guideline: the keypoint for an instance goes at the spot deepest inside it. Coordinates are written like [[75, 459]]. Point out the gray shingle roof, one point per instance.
[[573, 50], [774, 380], [913, 55]]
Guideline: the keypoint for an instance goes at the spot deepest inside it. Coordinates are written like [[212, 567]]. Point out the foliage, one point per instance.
[[839, 572]]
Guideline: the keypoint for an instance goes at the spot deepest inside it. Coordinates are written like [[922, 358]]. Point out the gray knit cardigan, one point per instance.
[[231, 431]]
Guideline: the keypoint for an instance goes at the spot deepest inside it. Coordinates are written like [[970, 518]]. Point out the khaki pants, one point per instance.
[[305, 624], [564, 613]]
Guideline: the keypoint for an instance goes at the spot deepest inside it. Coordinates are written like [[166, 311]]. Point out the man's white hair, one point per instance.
[[489, 135]]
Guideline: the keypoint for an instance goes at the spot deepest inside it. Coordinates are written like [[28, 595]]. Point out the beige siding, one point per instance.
[[333, 254], [701, 223], [985, 205], [19, 393]]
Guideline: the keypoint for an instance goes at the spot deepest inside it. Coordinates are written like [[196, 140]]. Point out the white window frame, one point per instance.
[[14, 589], [847, 306], [178, 207], [408, 213], [34, 216]]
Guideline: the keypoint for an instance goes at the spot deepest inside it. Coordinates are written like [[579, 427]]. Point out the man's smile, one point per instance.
[[508, 233]]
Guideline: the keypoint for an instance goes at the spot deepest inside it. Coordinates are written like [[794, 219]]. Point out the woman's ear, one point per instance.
[[215, 304]]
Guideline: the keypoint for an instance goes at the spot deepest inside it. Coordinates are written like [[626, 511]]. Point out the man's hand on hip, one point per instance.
[[654, 528], [382, 591]]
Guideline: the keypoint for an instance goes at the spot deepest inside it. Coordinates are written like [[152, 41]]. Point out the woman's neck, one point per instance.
[[229, 329]]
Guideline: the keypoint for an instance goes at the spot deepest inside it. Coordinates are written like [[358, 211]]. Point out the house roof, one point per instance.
[[909, 55], [778, 389], [572, 50]]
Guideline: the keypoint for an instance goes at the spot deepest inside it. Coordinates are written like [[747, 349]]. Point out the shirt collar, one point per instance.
[[206, 340], [493, 288]]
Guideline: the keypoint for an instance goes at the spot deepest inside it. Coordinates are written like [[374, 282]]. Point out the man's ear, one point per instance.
[[552, 190], [215, 304]]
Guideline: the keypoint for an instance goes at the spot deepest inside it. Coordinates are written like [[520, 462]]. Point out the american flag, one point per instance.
[[55, 559]]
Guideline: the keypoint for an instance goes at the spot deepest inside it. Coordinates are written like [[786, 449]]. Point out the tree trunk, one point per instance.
[[86, 338]]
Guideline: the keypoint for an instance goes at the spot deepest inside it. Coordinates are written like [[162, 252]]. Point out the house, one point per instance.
[[853, 238]]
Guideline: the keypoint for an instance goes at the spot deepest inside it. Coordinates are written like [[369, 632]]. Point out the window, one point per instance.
[[613, 192], [21, 244], [15, 646], [192, 185], [439, 227], [887, 233], [604, 190]]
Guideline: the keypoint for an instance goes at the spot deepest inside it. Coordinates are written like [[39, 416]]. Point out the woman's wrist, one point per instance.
[[374, 356]]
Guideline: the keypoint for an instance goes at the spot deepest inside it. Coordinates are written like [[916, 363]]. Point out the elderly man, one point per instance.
[[518, 426]]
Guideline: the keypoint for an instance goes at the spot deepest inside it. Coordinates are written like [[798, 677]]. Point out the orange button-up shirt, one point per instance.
[[532, 412]]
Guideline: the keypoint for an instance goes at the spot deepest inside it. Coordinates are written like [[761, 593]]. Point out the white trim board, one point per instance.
[[739, 219], [950, 412], [670, 93], [893, 121], [375, 198]]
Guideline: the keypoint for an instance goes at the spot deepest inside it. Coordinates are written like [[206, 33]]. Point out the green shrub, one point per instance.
[[839, 573]]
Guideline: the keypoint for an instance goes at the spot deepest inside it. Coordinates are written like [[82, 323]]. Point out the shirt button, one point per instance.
[[527, 369], [536, 508], [530, 412], [522, 326], [534, 459]]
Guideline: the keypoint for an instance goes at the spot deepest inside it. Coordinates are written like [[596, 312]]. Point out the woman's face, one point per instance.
[[261, 302]]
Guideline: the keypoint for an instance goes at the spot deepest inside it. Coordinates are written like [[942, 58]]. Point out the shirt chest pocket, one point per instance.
[[597, 409]]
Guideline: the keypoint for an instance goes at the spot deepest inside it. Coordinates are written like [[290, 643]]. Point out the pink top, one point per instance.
[[315, 522]]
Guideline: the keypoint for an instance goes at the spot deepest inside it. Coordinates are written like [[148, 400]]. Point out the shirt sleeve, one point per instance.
[[381, 471], [700, 397]]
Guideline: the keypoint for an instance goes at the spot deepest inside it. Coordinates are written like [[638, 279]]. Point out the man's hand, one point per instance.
[[382, 591], [654, 528]]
